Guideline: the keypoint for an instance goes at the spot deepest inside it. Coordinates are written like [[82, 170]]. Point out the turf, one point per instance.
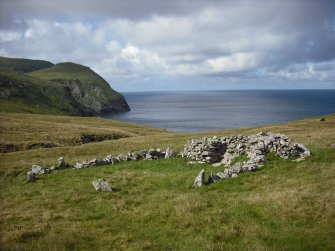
[[284, 206]]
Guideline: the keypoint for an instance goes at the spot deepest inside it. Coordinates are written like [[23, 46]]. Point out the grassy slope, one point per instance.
[[285, 205], [33, 95], [48, 88], [23, 65], [71, 71]]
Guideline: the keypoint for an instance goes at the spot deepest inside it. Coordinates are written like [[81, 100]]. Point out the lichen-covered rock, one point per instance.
[[101, 185], [199, 180]]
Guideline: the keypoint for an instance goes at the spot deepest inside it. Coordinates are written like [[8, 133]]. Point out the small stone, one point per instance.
[[217, 164], [306, 153], [322, 119], [237, 168], [169, 153], [78, 165], [234, 175], [31, 177], [36, 169], [213, 177], [199, 180], [61, 163], [332, 145], [121, 158], [223, 175], [102, 185]]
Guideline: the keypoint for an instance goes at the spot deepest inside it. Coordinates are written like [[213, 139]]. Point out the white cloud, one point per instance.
[[230, 38], [8, 36], [324, 71]]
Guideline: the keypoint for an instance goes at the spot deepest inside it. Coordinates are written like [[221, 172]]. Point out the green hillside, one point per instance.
[[286, 205], [23, 65], [65, 88]]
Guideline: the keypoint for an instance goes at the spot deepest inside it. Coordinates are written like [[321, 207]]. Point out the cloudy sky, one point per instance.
[[143, 45]]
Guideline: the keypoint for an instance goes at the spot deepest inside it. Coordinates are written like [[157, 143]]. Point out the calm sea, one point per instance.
[[214, 110]]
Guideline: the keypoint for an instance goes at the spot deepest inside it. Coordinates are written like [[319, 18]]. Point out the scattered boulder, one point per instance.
[[199, 180], [101, 185]]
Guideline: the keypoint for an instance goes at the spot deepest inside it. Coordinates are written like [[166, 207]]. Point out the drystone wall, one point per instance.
[[219, 151], [223, 150], [151, 154]]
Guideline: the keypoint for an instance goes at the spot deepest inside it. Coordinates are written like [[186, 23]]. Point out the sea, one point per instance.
[[215, 110]]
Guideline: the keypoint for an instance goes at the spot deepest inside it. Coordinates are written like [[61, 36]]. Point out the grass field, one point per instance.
[[285, 205]]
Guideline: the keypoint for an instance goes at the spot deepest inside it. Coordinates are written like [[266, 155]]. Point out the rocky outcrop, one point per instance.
[[93, 99]]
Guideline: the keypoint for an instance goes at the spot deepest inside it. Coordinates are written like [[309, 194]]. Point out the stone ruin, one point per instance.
[[221, 151], [218, 151], [151, 154]]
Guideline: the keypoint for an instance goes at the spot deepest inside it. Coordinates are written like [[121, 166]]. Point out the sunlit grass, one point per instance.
[[285, 205]]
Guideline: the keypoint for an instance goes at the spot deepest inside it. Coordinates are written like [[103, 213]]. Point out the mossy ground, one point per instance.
[[285, 205]]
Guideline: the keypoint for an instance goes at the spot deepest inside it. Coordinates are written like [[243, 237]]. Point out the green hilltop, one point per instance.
[[36, 86], [23, 65]]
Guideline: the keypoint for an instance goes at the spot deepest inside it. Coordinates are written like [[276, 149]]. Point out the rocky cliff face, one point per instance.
[[65, 88], [92, 99]]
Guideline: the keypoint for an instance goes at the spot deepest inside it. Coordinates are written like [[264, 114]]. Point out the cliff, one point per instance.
[[40, 87]]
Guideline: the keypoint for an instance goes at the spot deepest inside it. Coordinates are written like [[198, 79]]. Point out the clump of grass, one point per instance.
[[240, 158]]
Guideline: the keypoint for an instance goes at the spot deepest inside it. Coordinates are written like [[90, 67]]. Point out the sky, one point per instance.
[[158, 45]]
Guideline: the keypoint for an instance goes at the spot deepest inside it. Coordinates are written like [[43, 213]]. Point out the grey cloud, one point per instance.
[[278, 38]]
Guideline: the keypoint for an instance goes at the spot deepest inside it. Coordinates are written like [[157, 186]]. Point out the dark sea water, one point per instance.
[[214, 110]]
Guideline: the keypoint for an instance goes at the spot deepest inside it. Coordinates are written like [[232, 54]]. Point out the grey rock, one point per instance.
[[36, 169], [322, 119], [212, 178], [234, 175], [31, 177], [122, 157], [169, 153], [101, 185], [61, 163], [199, 180], [223, 175], [237, 168], [78, 165]]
